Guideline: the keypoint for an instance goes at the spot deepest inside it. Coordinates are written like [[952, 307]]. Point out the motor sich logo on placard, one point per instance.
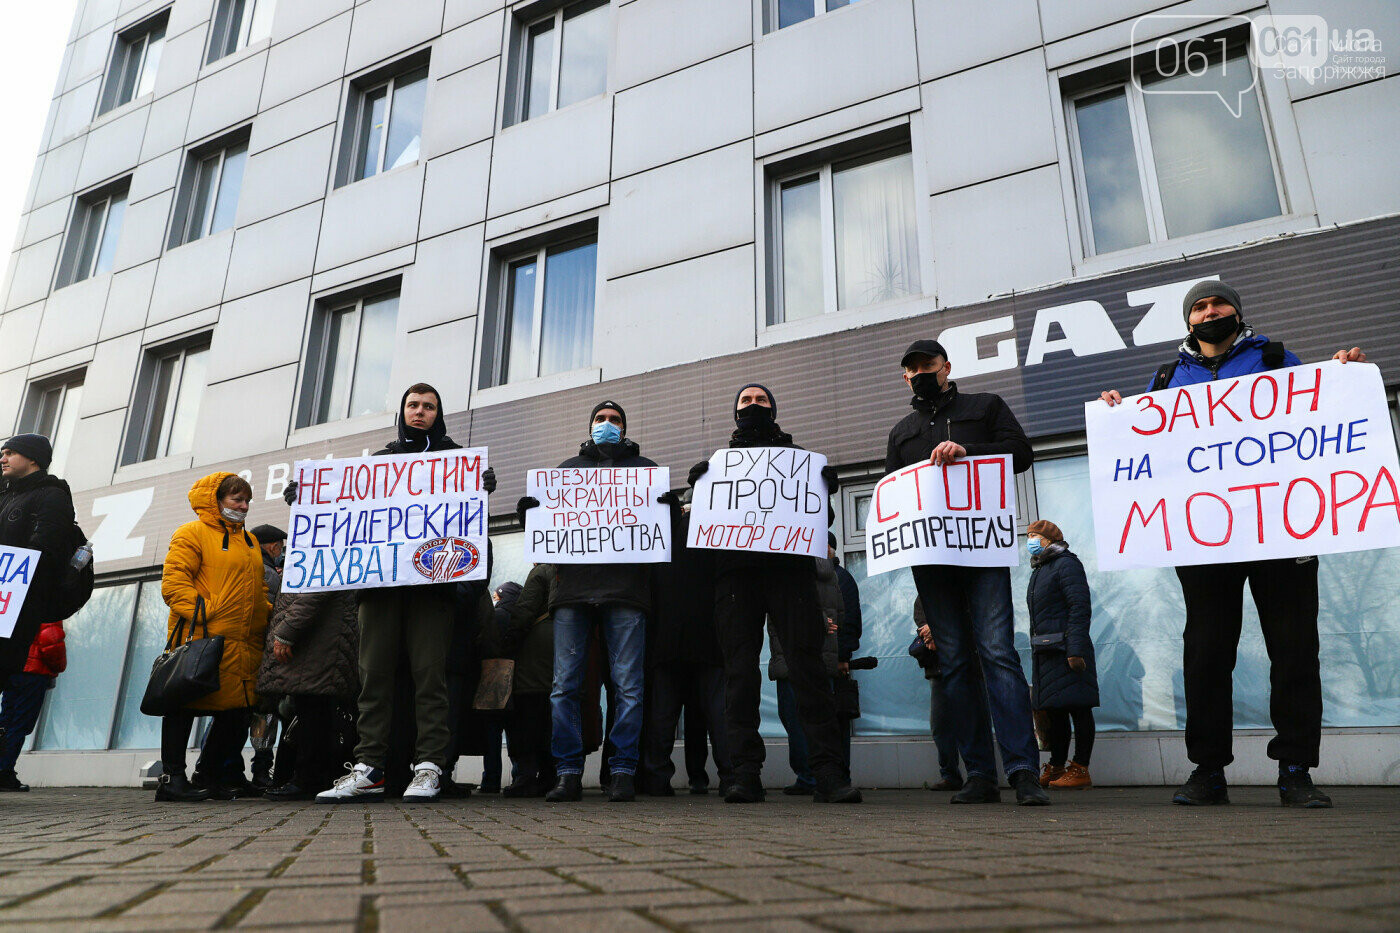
[[445, 560]]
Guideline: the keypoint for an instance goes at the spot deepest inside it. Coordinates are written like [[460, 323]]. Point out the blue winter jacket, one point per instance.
[[1245, 357]]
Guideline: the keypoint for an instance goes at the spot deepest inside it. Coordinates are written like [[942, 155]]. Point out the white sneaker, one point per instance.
[[426, 782], [362, 784]]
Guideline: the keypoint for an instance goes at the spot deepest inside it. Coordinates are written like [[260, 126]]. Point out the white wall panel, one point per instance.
[[128, 301], [113, 148], [469, 45], [285, 177], [461, 109], [457, 12], [273, 252], [59, 176], [370, 216], [292, 18], [385, 28], [955, 35], [18, 328], [306, 61], [551, 156], [443, 283], [165, 130], [260, 332], [227, 428], [1349, 143], [33, 273], [296, 117], [454, 194], [96, 444], [72, 316], [226, 98], [657, 37], [110, 376], [145, 228], [191, 277]]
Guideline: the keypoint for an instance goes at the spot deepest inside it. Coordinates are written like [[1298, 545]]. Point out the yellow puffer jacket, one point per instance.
[[222, 563]]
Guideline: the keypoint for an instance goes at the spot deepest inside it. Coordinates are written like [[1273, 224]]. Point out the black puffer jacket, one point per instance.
[[36, 511], [833, 607], [979, 421], [1058, 602], [596, 584], [323, 631], [681, 629]]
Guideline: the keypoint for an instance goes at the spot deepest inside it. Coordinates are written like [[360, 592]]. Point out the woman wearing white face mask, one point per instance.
[[1064, 682], [213, 576]]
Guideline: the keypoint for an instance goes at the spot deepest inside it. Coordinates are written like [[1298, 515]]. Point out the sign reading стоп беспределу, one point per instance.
[[400, 520]]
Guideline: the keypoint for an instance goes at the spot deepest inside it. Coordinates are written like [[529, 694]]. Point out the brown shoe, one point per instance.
[[1076, 776], [1050, 773]]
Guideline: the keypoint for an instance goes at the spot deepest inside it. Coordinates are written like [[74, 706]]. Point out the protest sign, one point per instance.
[[962, 514], [17, 566], [399, 520], [598, 515], [1288, 463], [765, 499]]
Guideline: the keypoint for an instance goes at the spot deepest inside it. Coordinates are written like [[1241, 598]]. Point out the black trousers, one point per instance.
[[527, 725], [699, 691], [1285, 593], [787, 596], [317, 763], [1061, 720], [227, 733]]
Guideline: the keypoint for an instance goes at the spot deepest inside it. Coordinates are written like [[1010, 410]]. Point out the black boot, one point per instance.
[[9, 781], [289, 791], [623, 788], [744, 790], [570, 787], [1204, 788], [835, 790], [1029, 793], [978, 789], [173, 788], [1296, 789]]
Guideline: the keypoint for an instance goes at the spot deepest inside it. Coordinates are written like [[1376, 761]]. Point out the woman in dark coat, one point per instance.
[[527, 636], [1064, 683]]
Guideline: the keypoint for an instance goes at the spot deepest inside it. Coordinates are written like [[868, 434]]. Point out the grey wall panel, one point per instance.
[[75, 110], [226, 98], [128, 301], [551, 156], [225, 427], [470, 44], [659, 37], [1001, 28], [1349, 141], [461, 109], [18, 328], [370, 216], [72, 317], [144, 231], [59, 176], [276, 251], [306, 61], [33, 272], [110, 376], [286, 177], [298, 116], [386, 28], [113, 148], [454, 194], [181, 60], [292, 18], [165, 131], [457, 12], [96, 442], [191, 277], [443, 283], [260, 332]]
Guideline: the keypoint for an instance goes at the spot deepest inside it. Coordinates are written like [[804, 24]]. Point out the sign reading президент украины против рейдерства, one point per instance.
[[1287, 463]]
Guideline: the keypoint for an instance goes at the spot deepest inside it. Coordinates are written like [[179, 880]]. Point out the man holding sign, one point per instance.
[[1220, 345], [765, 567], [969, 607]]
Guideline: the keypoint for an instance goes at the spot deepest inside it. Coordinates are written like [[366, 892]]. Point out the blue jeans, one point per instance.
[[19, 711], [940, 720], [623, 631], [797, 740], [969, 613]]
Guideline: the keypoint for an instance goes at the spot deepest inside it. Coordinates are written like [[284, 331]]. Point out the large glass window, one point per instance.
[[135, 59], [238, 23], [209, 190], [1161, 156], [148, 634], [786, 12], [51, 409], [78, 712], [349, 359], [561, 58], [544, 323], [844, 236], [385, 125], [93, 231], [167, 403]]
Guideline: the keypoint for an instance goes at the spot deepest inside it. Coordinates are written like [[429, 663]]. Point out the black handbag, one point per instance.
[[188, 668], [1055, 641], [847, 697]]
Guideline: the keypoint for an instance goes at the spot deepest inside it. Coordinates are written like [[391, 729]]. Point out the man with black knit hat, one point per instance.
[[969, 609], [614, 599], [782, 587], [1220, 345], [404, 622], [36, 512]]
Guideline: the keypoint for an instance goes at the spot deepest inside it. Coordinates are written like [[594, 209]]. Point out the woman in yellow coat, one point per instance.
[[214, 570]]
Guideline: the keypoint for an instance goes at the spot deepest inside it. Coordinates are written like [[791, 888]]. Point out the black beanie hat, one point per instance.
[[1210, 288], [772, 399], [268, 534], [34, 446], [606, 403]]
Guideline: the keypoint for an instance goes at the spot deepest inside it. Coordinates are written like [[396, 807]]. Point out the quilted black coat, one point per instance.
[[1058, 602], [323, 631]]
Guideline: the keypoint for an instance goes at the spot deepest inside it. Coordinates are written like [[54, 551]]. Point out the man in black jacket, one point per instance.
[[969, 608], [616, 599], [36, 512], [782, 587]]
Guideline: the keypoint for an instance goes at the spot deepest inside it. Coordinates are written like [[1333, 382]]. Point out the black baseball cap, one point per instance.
[[924, 347]]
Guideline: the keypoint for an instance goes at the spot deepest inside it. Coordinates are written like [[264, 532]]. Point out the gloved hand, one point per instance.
[[289, 495], [697, 471], [832, 482], [525, 504], [488, 480], [669, 497]]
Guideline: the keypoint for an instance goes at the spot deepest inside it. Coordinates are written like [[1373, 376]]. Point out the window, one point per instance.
[[1160, 156], [209, 190], [543, 322], [237, 24], [349, 358], [560, 59], [168, 391], [786, 12], [135, 59], [385, 125], [93, 231], [843, 236], [51, 409]]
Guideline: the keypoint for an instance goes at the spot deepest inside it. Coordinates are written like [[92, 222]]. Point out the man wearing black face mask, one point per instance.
[[1220, 345], [969, 608], [783, 587]]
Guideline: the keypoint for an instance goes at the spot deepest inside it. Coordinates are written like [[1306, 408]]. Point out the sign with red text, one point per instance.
[[769, 500], [598, 515], [17, 566], [401, 520], [1287, 463], [962, 514]]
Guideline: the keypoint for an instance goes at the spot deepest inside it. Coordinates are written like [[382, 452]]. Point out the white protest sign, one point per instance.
[[962, 514], [399, 520], [1288, 463], [766, 499], [17, 566], [598, 515]]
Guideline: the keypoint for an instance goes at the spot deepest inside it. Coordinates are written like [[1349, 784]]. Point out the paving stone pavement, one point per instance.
[[111, 859]]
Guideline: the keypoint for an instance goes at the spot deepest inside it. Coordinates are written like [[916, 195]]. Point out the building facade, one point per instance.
[[253, 222]]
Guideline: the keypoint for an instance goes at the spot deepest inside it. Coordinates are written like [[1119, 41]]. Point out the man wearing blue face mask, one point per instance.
[[614, 597]]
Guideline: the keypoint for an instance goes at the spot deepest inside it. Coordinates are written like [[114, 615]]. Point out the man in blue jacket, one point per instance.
[[1220, 345]]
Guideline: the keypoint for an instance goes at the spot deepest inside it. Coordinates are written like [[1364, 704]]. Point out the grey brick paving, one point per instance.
[[89, 859]]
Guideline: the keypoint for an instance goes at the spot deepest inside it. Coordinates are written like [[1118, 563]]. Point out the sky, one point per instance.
[[32, 40]]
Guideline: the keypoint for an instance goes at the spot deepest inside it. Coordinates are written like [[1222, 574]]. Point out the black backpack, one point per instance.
[[75, 589], [1273, 359]]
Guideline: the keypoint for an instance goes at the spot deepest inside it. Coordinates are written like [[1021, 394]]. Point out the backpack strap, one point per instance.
[[1164, 375], [1273, 355]]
